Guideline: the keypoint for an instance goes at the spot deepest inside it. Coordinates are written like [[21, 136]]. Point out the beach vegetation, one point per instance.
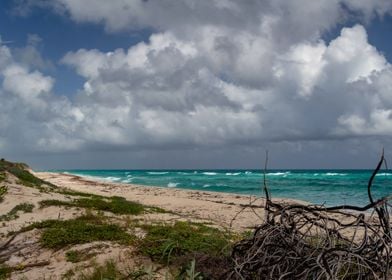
[[167, 242], [13, 213], [20, 171], [3, 192], [109, 270], [85, 229], [189, 272], [55, 202], [5, 271], [143, 273], [73, 256], [115, 204], [2, 176], [84, 254], [77, 193]]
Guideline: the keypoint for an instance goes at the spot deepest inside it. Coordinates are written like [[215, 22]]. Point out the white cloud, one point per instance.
[[218, 74], [379, 123], [89, 62], [303, 65], [173, 79], [297, 20], [354, 56], [28, 85]]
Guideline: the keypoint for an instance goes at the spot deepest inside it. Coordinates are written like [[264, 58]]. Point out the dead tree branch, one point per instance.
[[315, 242]]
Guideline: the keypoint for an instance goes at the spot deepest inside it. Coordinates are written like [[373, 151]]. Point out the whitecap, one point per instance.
[[335, 174], [248, 172], [233, 174], [110, 178], [206, 185], [384, 174], [157, 173], [278, 173], [172, 185], [209, 173]]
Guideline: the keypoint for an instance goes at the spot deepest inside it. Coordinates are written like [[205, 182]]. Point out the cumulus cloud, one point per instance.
[[214, 73], [175, 92]]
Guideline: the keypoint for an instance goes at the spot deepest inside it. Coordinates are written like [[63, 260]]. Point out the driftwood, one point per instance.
[[316, 242]]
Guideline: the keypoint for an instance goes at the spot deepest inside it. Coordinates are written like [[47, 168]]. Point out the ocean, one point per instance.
[[329, 187]]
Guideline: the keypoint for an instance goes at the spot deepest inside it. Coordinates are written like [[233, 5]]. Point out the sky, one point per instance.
[[186, 84]]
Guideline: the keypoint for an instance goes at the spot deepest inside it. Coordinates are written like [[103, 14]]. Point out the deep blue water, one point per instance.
[[331, 187]]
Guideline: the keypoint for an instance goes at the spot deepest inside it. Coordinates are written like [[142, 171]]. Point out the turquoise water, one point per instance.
[[331, 187]]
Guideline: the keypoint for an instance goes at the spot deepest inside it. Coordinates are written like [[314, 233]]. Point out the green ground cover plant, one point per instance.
[[13, 214], [115, 204], [167, 242], [3, 192], [2, 176], [5, 271], [85, 229]]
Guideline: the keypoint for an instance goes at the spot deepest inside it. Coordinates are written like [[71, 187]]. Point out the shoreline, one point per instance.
[[223, 209], [100, 180], [321, 188], [52, 218]]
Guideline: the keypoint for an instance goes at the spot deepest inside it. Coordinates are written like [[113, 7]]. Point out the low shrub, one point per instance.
[[116, 205], [59, 234]]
